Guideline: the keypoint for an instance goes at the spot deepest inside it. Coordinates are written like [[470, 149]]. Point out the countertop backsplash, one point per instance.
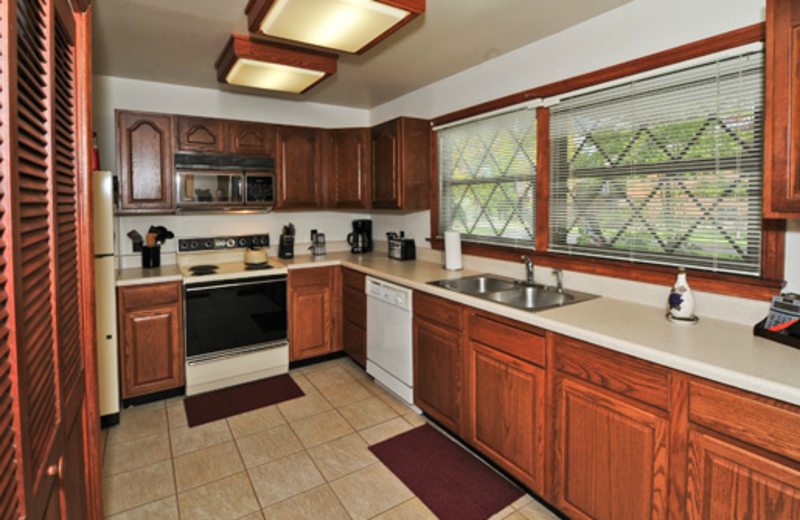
[[711, 305]]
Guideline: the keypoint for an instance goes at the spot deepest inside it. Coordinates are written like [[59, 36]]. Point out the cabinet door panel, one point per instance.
[[348, 167], [298, 168], [145, 162], [200, 134], [252, 138], [728, 482], [438, 373], [355, 306], [152, 351], [386, 166], [782, 168], [507, 410], [611, 457], [311, 325]]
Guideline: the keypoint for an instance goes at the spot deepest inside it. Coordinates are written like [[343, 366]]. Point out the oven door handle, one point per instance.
[[237, 284]]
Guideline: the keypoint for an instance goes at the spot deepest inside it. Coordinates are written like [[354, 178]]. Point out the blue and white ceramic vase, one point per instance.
[[681, 299]]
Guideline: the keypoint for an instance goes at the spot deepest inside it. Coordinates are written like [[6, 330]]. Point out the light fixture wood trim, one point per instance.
[[257, 10], [246, 47]]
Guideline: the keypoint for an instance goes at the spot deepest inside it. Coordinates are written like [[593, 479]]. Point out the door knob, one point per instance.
[[55, 470]]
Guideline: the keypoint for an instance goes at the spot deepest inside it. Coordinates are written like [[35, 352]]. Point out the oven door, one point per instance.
[[230, 317]]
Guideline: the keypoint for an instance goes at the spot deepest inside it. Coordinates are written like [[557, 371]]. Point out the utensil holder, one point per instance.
[[151, 257]]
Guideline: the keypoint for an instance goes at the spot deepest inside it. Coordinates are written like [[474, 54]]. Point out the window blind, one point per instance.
[[665, 170], [487, 176]]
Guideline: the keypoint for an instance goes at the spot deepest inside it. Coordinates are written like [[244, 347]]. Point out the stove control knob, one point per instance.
[[231, 243], [193, 245], [242, 242], [208, 244]]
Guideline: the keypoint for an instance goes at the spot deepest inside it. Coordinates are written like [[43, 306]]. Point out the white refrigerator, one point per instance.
[[105, 266]]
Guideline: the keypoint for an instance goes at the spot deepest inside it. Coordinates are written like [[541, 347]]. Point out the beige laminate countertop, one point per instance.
[[142, 276], [718, 350], [721, 351]]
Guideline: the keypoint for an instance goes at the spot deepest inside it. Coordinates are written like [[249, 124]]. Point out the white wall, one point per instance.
[[634, 30], [112, 93]]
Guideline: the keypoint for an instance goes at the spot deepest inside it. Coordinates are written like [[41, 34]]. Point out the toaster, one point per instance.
[[401, 248]]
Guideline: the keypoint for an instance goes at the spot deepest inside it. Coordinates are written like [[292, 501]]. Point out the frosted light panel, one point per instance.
[[272, 76], [345, 25]]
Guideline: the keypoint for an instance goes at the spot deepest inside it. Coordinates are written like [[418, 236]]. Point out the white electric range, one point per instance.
[[235, 314]]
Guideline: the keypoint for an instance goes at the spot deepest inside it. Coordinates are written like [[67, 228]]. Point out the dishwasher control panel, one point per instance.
[[390, 293]]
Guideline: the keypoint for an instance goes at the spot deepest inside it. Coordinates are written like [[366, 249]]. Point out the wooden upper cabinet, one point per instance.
[[782, 136], [200, 134], [144, 155], [401, 164], [346, 155], [246, 138], [298, 168]]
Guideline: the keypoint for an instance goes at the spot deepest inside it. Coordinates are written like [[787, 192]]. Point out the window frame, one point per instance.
[[762, 287]]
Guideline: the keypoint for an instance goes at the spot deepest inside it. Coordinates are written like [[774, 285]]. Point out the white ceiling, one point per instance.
[[178, 41]]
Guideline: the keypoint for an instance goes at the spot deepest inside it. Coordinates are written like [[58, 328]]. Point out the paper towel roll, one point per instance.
[[452, 251]]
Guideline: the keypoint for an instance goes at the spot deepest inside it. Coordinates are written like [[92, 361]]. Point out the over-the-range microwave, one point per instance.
[[224, 183]]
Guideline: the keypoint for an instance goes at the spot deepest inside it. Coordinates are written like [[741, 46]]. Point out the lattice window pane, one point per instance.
[[487, 175], [666, 169]]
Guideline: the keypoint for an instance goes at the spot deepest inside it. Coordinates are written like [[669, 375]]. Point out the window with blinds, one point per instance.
[[487, 176], [665, 170]]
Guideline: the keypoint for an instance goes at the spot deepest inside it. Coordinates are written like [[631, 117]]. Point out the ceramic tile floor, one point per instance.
[[302, 459]]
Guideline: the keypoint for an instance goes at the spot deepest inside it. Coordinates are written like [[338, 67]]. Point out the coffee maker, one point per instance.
[[360, 239]]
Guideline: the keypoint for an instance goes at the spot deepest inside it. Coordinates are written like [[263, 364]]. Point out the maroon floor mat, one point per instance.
[[212, 406], [448, 479]]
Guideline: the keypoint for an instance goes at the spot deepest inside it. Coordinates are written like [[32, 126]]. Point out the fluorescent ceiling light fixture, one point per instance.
[[344, 25], [254, 63]]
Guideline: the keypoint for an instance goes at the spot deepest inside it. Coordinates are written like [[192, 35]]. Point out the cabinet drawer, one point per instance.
[[622, 374], [438, 310], [354, 280], [772, 426], [310, 276], [139, 296], [355, 307], [506, 338]]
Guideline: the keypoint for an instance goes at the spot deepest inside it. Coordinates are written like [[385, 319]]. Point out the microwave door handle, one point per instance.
[[227, 285]]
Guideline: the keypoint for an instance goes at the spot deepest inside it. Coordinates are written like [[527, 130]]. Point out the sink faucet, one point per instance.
[[559, 279], [528, 269]]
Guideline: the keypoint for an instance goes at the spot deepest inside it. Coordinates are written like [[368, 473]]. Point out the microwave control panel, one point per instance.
[[260, 189]]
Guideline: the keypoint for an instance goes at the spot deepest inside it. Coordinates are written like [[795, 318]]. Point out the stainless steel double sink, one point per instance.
[[514, 293]]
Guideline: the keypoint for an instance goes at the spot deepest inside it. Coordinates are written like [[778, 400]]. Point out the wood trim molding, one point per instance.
[[773, 234], [91, 411], [81, 6], [728, 40], [542, 178]]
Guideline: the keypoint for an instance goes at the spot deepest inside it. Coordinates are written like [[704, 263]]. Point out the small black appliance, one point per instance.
[[360, 239]]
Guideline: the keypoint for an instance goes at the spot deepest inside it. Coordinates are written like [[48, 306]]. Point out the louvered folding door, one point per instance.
[[42, 375]]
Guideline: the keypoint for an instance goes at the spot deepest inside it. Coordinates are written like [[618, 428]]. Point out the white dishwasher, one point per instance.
[[390, 344]]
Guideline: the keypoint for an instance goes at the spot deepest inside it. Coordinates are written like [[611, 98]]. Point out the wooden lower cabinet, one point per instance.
[[438, 373], [611, 456], [730, 481], [312, 314], [151, 328], [506, 410], [354, 316]]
